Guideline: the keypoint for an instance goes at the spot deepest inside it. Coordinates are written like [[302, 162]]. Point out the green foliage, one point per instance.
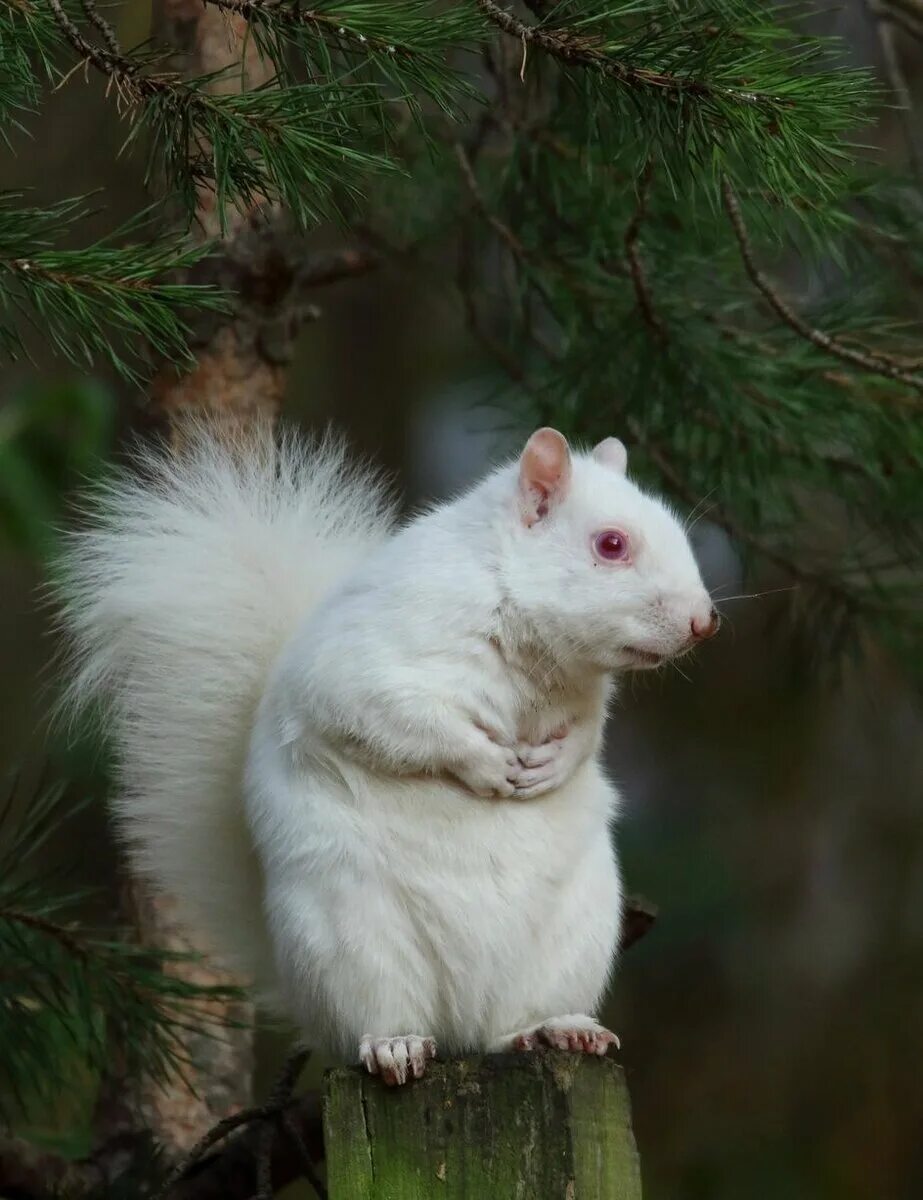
[[28, 39], [405, 49], [627, 300], [51, 437], [706, 89], [308, 139], [661, 231], [69, 995], [287, 145], [110, 300]]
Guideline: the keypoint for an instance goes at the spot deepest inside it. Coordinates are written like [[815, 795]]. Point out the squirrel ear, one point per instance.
[[544, 474], [612, 453]]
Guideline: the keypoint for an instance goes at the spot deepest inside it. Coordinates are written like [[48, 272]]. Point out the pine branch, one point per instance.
[[635, 264], [105, 30], [106, 301], [676, 73], [83, 47], [574, 49], [291, 15], [680, 409], [28, 40], [64, 987], [403, 48], [291, 145], [875, 362]]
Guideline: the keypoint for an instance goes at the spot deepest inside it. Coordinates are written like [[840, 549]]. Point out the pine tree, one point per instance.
[[626, 187]]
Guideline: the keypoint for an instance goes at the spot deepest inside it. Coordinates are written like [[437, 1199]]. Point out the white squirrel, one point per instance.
[[363, 756]]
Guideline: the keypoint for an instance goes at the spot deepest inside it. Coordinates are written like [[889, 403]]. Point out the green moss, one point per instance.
[[504, 1126]]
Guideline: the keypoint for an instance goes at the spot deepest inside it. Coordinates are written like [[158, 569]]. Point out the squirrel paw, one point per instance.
[[489, 770], [541, 768], [396, 1059], [575, 1032]]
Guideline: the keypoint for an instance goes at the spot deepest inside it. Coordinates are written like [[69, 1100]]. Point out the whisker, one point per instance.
[[692, 520], [753, 595], [701, 517]]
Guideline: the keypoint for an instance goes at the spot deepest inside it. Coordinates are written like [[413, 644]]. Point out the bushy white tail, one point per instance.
[[176, 598]]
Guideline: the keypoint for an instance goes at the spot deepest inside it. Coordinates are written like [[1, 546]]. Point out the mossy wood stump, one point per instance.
[[540, 1126]]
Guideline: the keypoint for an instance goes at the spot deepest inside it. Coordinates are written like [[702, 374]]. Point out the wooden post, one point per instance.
[[537, 1126]]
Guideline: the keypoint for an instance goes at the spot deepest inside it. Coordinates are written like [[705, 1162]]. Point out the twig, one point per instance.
[[912, 7], [495, 348], [216, 1134], [31, 1171], [329, 266], [229, 1173], [101, 59], [273, 1107], [635, 264], [123, 72], [43, 925], [502, 230], [106, 31], [264, 1162], [895, 15], [292, 14], [672, 476], [638, 918], [308, 1166], [579, 51], [517, 247], [882, 16], [874, 362], [738, 532]]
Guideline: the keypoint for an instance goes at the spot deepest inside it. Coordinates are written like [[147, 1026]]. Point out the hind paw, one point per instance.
[[396, 1059], [577, 1033]]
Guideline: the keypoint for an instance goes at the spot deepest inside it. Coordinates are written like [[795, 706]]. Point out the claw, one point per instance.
[[396, 1058], [577, 1034]]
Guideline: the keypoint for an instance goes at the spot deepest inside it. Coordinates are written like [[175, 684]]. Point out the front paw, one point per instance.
[[489, 770], [541, 768]]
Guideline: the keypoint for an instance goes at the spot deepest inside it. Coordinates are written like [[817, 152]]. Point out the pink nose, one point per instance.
[[703, 629]]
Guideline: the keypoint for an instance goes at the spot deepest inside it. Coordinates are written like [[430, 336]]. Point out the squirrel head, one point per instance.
[[603, 572]]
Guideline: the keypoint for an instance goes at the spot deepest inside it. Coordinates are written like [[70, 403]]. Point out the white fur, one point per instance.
[[421, 860], [176, 599]]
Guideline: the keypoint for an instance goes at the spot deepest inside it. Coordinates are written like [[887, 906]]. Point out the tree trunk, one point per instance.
[[234, 376], [240, 371]]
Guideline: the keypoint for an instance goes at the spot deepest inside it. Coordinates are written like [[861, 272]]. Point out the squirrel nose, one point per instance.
[[701, 630]]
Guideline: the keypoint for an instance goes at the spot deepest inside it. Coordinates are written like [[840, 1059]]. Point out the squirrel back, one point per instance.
[[176, 598]]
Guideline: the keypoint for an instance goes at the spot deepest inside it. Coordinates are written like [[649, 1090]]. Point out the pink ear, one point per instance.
[[612, 453], [544, 474]]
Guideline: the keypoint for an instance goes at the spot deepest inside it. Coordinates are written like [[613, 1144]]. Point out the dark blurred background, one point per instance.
[[772, 1021]]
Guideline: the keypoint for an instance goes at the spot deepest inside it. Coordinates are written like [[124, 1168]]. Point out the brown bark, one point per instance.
[[232, 375], [219, 1059], [239, 374]]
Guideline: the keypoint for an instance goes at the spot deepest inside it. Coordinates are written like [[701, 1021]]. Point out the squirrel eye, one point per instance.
[[611, 545]]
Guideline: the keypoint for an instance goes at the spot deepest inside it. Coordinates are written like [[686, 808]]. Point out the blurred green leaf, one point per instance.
[[52, 436]]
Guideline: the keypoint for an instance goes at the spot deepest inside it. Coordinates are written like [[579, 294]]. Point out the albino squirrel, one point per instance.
[[363, 756]]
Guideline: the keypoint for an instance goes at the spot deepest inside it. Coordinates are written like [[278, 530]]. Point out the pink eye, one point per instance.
[[611, 545]]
